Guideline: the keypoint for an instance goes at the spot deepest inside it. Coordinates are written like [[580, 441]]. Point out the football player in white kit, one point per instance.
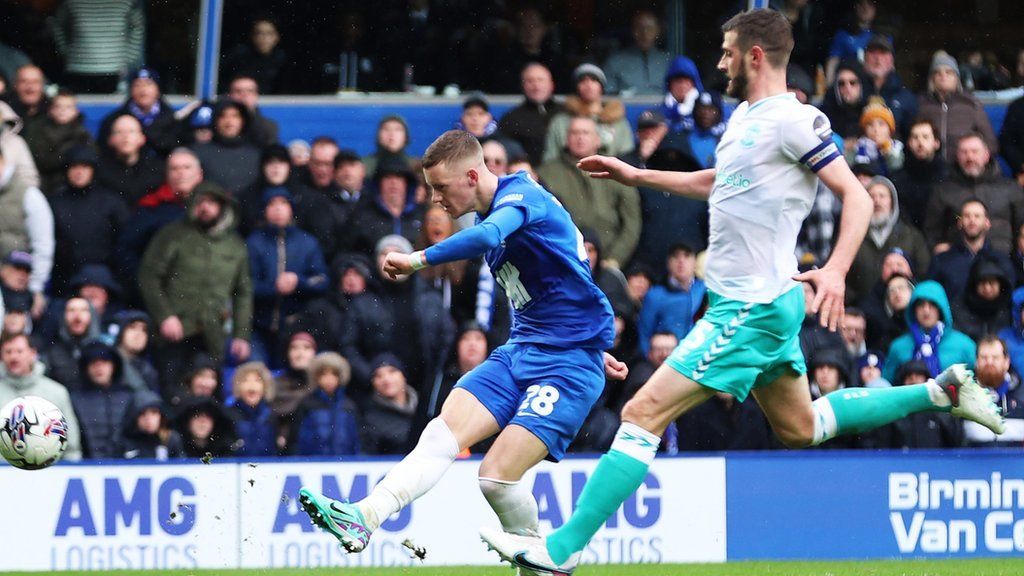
[[759, 192]]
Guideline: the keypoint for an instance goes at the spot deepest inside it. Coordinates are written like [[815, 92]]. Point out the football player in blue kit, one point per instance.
[[537, 388]]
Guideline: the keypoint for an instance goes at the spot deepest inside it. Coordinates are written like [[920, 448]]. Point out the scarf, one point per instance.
[[146, 118], [926, 346], [680, 114]]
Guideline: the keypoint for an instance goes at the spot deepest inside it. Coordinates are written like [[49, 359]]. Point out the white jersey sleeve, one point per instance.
[[807, 139]]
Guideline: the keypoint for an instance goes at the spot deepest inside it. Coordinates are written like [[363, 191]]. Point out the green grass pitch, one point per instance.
[[988, 567]]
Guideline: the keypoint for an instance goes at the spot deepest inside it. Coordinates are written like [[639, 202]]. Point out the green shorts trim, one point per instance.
[[738, 346]]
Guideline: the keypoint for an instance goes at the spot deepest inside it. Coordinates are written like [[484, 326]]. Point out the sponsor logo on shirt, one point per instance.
[[509, 198], [734, 180]]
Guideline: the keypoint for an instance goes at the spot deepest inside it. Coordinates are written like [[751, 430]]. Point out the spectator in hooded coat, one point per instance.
[[327, 420], [78, 326], [682, 88], [983, 309], [845, 100], [101, 401], [87, 220], [388, 415], [147, 433], [252, 387], [887, 231], [132, 343], [393, 209], [1013, 335], [206, 429], [392, 141], [932, 337]]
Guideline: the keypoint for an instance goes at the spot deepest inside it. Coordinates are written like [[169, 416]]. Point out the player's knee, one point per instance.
[[492, 469], [640, 410], [799, 434]]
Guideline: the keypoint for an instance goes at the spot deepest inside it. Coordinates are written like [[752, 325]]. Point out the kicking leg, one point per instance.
[[664, 397], [798, 422], [464, 421], [514, 452]]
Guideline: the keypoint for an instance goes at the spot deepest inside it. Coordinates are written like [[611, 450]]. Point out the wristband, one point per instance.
[[418, 260]]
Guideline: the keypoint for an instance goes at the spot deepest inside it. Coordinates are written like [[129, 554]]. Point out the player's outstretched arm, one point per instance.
[[468, 243], [830, 280], [696, 185]]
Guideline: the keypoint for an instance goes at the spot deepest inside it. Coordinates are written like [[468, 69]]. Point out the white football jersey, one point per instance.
[[765, 184]]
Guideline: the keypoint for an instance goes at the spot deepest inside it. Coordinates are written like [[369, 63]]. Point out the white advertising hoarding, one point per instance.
[[228, 515]]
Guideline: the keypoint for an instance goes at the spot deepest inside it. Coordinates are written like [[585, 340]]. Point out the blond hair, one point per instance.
[[452, 146]]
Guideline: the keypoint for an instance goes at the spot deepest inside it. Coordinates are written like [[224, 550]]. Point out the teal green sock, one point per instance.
[[617, 475], [861, 409]]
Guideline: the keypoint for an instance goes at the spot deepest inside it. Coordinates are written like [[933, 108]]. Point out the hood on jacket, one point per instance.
[[985, 265], [329, 361], [222, 105], [1018, 303], [346, 261], [612, 110], [879, 232], [908, 368], [683, 66], [99, 350], [227, 214], [91, 333], [141, 401], [223, 424], [405, 126], [933, 292], [9, 120], [833, 357], [97, 275], [393, 164]]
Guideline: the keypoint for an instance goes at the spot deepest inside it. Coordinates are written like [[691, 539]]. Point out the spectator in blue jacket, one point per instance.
[[327, 419], [671, 307], [932, 338], [1013, 335], [281, 286], [708, 127], [682, 88], [255, 424]]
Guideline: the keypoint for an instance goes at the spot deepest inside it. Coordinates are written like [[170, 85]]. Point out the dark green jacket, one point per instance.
[[200, 276]]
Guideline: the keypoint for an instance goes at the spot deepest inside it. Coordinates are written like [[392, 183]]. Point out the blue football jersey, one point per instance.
[[544, 270]]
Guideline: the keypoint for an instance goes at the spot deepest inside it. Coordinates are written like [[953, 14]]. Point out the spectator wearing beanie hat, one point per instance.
[[287, 269], [389, 413], [146, 103], [132, 341], [609, 113], [87, 220], [869, 370], [878, 147], [327, 419], [101, 400], [955, 112]]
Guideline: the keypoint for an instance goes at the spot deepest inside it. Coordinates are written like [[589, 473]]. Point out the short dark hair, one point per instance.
[[244, 76], [453, 145], [766, 28], [678, 247], [974, 200], [926, 122], [9, 337], [992, 339], [854, 311]]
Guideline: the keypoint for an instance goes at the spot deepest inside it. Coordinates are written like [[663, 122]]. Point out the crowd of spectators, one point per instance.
[[183, 284]]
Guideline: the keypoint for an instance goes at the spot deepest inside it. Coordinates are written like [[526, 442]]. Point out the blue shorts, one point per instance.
[[547, 390]]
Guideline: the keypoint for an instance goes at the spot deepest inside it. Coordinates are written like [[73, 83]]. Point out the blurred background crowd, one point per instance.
[[180, 282]]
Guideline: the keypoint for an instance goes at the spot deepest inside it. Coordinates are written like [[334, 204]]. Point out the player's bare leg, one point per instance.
[[664, 397], [798, 422], [464, 421]]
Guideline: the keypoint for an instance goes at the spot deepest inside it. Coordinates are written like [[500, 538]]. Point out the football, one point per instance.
[[33, 433]]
